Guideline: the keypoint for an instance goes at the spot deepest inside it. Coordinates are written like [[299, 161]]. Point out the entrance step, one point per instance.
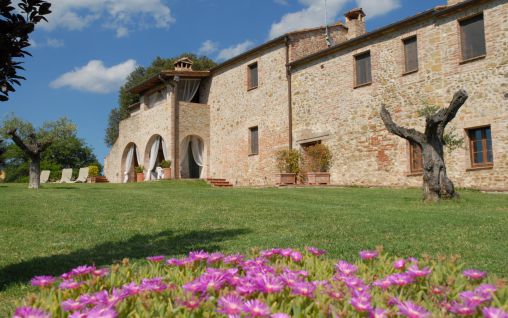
[[219, 183]]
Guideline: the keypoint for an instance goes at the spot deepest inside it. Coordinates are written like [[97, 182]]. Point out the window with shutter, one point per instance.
[[416, 158], [472, 34], [411, 54], [480, 146], [252, 76], [254, 141], [363, 69]]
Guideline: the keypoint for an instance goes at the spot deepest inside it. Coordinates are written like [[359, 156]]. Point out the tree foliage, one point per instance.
[[14, 31], [65, 151], [140, 74]]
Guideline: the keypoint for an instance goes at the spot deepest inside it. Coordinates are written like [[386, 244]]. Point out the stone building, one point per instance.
[[308, 87]]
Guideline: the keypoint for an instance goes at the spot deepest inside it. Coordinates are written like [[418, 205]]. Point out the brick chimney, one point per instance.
[[355, 22]]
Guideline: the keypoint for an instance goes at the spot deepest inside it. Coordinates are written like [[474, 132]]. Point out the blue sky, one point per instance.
[[83, 55]]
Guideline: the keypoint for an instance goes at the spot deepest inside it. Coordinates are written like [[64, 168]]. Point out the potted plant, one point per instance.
[[317, 162], [288, 162], [140, 175], [166, 167], [93, 173]]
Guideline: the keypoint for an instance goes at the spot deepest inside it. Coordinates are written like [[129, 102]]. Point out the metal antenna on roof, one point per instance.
[[328, 38]]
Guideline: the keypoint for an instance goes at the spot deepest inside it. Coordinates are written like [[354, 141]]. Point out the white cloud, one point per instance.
[[313, 14], [208, 47], [121, 15], [375, 8], [234, 50], [95, 77], [54, 43]]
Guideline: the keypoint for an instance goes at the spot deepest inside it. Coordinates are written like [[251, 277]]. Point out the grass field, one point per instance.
[[61, 226]]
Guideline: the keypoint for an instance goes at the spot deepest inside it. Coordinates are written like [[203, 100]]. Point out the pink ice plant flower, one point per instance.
[[270, 284], [256, 308], [296, 256], [346, 268], [315, 251], [156, 259], [280, 315], [399, 264], [414, 271], [368, 255], [153, 285], [230, 305], [42, 281], [410, 310], [233, 259], [72, 305], [100, 272], [101, 312], [474, 298], [304, 289], [215, 258], [383, 283], [70, 284], [378, 313], [28, 312], [82, 270], [191, 303], [198, 256], [463, 309], [176, 262], [486, 289], [492, 312], [402, 279], [361, 302], [474, 274]]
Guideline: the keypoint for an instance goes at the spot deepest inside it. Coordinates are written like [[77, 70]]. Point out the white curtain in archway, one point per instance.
[[153, 157], [197, 151], [197, 154], [128, 164], [188, 89], [164, 149]]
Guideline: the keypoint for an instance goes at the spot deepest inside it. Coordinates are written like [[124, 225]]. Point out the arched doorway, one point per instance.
[[130, 159], [156, 151], [192, 157]]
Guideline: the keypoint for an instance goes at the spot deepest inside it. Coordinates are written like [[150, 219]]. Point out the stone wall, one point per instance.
[[327, 107], [305, 43]]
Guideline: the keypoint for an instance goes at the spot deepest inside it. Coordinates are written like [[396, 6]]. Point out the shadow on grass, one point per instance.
[[139, 246]]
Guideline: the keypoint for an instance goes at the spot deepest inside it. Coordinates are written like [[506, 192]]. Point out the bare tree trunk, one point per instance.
[[35, 173], [436, 184]]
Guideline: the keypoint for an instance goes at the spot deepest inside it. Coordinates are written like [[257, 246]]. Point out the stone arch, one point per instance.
[[127, 172], [161, 153], [193, 157]]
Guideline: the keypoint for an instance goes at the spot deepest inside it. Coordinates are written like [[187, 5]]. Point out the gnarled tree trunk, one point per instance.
[[35, 173], [436, 184]]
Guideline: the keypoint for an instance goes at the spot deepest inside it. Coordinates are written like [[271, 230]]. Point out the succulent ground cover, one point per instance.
[[274, 283]]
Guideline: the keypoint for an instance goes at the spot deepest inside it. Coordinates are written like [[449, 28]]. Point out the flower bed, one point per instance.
[[274, 283]]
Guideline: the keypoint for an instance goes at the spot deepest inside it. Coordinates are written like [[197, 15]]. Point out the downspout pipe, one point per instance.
[[290, 93]]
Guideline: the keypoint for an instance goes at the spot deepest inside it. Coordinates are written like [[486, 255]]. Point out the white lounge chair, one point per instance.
[[83, 175], [66, 176], [45, 176]]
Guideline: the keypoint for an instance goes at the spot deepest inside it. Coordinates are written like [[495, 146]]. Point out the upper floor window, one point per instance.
[[415, 158], [480, 146], [252, 79], [472, 35], [363, 69], [410, 54], [253, 141]]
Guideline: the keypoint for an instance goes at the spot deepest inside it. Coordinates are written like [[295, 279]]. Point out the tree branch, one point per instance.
[[409, 134], [19, 142], [444, 116]]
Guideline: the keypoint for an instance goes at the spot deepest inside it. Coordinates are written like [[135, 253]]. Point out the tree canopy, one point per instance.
[[65, 151], [14, 31], [140, 74]]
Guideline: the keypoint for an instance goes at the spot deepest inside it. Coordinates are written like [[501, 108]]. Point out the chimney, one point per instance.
[[454, 2], [355, 22], [184, 64]]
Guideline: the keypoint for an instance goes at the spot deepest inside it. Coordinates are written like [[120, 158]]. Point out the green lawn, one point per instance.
[[61, 226]]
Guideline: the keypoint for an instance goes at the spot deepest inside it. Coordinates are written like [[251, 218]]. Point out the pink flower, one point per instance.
[[384, 283], [198, 256], [361, 302], [463, 309], [296, 256], [270, 284], [70, 284], [411, 310], [486, 289], [215, 258], [156, 259], [27, 312], [303, 289], [100, 272], [256, 308], [71, 305], [82, 270], [191, 303], [42, 281], [474, 274], [131, 289], [153, 285], [315, 251], [286, 252], [399, 264], [414, 271], [402, 279], [378, 313], [368, 255], [233, 259], [102, 312], [280, 315], [346, 268], [474, 298], [492, 312], [230, 305], [176, 262]]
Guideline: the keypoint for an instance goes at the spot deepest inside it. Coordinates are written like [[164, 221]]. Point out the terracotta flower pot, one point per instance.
[[286, 178], [167, 173], [316, 178], [92, 179], [140, 177]]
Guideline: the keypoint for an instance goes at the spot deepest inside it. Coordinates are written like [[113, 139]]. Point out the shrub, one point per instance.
[[139, 169], [93, 171], [165, 164], [271, 283], [318, 158], [288, 161]]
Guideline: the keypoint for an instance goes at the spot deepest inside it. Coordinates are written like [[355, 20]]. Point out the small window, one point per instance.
[[411, 54], [415, 157], [253, 76], [363, 69], [480, 146], [472, 34], [254, 141]]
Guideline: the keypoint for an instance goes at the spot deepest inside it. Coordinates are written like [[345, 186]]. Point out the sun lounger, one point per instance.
[[66, 176], [45, 176], [83, 175]]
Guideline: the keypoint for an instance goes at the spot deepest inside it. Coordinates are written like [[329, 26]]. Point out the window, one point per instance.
[[363, 69], [410, 54], [254, 141], [253, 76], [480, 146], [472, 35], [415, 158]]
